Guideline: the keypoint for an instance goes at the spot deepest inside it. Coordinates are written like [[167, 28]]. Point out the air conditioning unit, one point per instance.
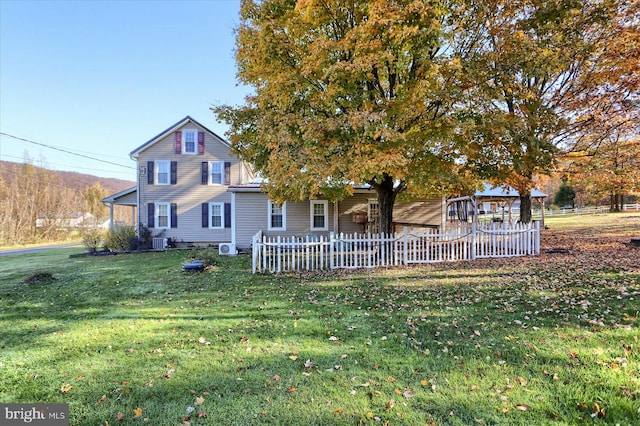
[[159, 243], [227, 249]]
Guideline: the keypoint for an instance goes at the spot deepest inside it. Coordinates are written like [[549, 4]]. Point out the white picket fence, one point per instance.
[[350, 251]]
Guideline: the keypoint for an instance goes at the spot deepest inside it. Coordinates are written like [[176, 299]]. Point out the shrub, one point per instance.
[[123, 239], [91, 239]]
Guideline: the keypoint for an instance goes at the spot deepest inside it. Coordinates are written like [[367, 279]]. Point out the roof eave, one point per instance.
[[163, 134]]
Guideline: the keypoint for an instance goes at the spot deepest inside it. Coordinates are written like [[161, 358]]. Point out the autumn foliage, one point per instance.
[[425, 97]]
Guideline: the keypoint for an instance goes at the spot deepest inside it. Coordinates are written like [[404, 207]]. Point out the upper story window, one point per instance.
[[319, 215], [162, 170], [216, 170], [216, 173], [277, 217], [190, 141]]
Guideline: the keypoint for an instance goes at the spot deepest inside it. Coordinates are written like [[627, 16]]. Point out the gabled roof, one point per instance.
[[113, 198], [170, 130]]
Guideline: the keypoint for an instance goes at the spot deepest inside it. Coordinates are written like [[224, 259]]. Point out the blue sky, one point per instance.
[[100, 78]]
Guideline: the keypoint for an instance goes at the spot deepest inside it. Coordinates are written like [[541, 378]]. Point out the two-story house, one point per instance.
[[183, 176], [193, 190]]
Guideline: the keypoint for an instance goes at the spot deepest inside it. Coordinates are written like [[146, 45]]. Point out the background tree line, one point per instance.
[[29, 192]]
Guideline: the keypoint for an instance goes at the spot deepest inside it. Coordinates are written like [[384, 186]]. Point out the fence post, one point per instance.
[[255, 255], [537, 238], [405, 245], [332, 238], [474, 232]]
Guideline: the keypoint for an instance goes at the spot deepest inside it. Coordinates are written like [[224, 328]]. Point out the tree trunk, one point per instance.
[[387, 193], [613, 202], [525, 207]]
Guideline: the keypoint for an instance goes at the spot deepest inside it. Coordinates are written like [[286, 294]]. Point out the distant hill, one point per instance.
[[74, 180]]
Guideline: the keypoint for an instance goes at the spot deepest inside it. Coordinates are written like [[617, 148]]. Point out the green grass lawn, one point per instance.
[[131, 339]]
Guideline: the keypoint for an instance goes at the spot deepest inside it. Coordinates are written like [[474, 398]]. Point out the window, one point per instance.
[[319, 215], [216, 171], [277, 217], [162, 172], [374, 212], [190, 138], [163, 215], [216, 210]]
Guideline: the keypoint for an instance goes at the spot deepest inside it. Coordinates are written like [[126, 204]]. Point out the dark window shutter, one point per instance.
[[151, 212], [227, 173], [200, 143], [174, 215], [205, 173], [178, 142], [227, 215], [174, 172], [205, 215], [150, 172]]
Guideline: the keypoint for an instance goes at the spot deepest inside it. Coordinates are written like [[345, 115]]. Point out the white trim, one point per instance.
[[284, 216], [233, 218], [221, 205], [210, 173], [156, 214], [156, 171], [325, 217], [184, 141]]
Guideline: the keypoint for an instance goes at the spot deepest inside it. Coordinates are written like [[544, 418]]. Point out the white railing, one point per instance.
[[350, 251]]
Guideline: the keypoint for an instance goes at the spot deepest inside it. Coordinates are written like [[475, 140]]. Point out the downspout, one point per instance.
[[233, 218], [137, 222]]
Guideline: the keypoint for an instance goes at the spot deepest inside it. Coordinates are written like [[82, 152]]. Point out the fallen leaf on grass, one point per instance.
[[202, 414], [522, 407], [199, 400], [102, 399], [65, 388], [291, 390], [597, 411], [137, 412], [119, 417]]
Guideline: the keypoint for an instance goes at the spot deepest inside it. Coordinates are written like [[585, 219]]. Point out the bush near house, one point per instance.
[[123, 239]]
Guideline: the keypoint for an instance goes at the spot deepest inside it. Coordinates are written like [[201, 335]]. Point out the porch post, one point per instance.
[[111, 224]]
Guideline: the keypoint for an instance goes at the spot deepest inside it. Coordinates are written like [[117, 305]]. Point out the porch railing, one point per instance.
[[350, 251]]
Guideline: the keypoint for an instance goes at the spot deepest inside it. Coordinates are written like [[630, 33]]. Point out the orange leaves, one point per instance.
[[137, 412]]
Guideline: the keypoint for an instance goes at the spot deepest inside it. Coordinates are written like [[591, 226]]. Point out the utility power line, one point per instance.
[[65, 150], [63, 165]]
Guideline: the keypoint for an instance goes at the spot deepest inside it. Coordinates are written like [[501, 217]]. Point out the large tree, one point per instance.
[[542, 82], [348, 92]]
